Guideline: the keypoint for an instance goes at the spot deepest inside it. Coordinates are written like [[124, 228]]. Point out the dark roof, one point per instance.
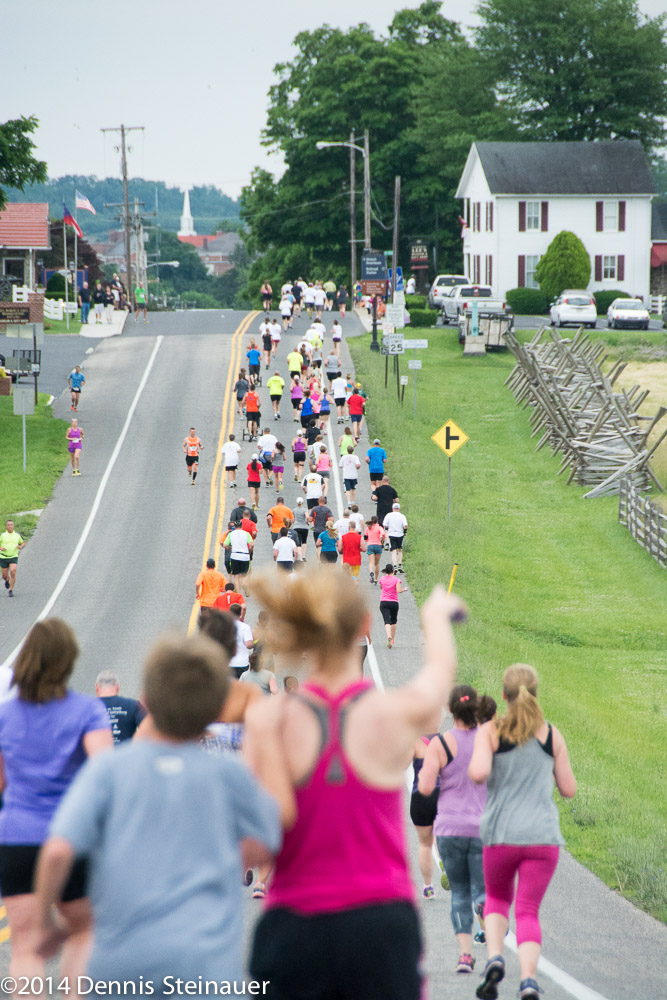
[[617, 167], [658, 221]]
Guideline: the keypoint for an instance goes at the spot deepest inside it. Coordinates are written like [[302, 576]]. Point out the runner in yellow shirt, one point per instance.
[[294, 362], [276, 386], [10, 543]]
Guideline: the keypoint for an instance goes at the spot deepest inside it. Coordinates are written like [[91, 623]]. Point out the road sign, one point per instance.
[[415, 344], [405, 379], [24, 402], [400, 286], [450, 438], [414, 365], [392, 343], [396, 316], [373, 287], [387, 327], [399, 298], [12, 312], [373, 266]]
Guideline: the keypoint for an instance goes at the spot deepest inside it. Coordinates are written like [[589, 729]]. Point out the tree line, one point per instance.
[[533, 70]]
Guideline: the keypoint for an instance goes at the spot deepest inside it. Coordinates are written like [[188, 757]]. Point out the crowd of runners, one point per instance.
[[261, 759]]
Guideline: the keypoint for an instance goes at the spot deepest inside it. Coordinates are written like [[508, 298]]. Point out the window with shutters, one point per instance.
[[489, 216], [532, 260], [476, 269], [533, 215], [610, 217], [488, 270], [609, 267]]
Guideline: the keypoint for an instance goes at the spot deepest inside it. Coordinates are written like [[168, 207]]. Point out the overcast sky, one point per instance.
[[195, 74]]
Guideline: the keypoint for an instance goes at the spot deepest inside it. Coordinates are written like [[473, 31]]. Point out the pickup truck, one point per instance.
[[461, 299]]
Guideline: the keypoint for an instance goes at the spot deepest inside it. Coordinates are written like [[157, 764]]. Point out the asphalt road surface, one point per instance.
[[120, 547]]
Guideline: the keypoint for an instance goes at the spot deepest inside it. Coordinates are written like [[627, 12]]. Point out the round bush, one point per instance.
[[56, 283], [415, 302], [603, 299], [527, 301]]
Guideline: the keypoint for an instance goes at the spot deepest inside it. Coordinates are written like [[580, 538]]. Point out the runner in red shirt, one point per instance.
[[355, 405], [228, 597], [253, 416], [351, 545]]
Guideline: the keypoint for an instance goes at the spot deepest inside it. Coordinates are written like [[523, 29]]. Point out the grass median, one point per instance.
[[46, 458], [551, 579]]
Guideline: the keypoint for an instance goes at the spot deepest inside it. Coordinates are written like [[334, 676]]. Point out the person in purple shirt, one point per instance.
[[460, 807], [46, 735]]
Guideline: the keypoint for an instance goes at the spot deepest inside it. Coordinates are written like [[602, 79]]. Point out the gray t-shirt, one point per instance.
[[162, 825]]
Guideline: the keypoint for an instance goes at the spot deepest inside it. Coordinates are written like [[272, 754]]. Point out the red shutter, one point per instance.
[[479, 216], [545, 217], [490, 216], [598, 267], [490, 269], [620, 267], [522, 263], [522, 216], [599, 216], [621, 216]]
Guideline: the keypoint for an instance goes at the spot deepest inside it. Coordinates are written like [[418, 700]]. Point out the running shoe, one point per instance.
[[78, 472], [494, 973], [74, 472], [193, 483], [10, 593], [466, 963], [389, 644], [480, 936], [372, 578], [248, 877], [281, 487], [296, 479], [528, 990], [259, 892], [6, 584], [429, 892]]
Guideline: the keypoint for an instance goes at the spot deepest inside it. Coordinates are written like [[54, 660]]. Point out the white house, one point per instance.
[[518, 195]]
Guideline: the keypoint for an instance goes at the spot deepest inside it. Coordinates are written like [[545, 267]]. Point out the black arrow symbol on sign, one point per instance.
[[449, 437]]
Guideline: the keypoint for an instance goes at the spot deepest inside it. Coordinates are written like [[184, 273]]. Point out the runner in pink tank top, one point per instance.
[[340, 919]]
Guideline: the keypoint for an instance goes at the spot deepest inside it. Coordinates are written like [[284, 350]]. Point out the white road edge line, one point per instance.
[[67, 572], [563, 979]]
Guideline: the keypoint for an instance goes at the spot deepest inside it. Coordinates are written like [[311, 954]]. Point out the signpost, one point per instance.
[[449, 438], [24, 406], [392, 343], [415, 366], [374, 283]]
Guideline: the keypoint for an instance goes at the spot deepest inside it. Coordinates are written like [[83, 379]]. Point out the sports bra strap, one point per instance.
[[450, 755]]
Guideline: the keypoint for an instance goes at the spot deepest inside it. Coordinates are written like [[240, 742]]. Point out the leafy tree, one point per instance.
[[229, 288], [18, 166], [565, 264], [190, 275], [578, 69]]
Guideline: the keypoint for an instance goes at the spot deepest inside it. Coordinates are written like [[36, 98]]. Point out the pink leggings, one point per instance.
[[535, 865]]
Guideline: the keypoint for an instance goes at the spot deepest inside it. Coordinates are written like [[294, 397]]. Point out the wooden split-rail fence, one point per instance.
[[599, 431], [645, 520]]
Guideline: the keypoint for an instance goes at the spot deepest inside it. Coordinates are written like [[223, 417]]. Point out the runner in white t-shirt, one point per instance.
[[284, 551], [275, 335], [319, 298], [309, 299], [339, 393], [350, 466], [240, 661], [313, 486], [266, 446], [230, 452], [286, 311], [396, 525]]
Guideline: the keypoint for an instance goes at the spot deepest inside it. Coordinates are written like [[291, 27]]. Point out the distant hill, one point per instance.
[[208, 204]]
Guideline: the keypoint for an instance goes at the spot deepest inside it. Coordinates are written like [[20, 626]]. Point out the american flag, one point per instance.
[[83, 202]]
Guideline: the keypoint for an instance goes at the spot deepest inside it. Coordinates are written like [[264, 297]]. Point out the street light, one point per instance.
[[164, 263], [365, 152]]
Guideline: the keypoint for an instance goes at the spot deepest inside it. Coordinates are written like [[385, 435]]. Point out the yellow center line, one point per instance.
[[226, 420]]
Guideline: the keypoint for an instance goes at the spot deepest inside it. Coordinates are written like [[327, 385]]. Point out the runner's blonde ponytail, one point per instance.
[[523, 716]]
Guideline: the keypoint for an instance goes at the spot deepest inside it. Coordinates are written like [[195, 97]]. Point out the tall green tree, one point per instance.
[[578, 69], [18, 165], [565, 264]]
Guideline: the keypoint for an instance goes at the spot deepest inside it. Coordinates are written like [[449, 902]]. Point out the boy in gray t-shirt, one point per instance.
[[164, 825]]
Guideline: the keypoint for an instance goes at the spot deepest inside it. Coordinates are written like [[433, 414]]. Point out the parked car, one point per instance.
[[461, 298], [442, 287], [629, 313], [576, 306]]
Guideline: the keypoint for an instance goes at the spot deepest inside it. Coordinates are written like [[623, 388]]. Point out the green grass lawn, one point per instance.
[[60, 325], [551, 579], [46, 457]]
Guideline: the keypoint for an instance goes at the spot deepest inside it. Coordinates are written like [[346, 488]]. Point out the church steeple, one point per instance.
[[187, 222]]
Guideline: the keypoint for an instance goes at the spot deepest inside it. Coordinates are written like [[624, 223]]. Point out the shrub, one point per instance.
[[415, 302], [422, 317], [565, 264], [527, 301], [603, 299], [56, 283]]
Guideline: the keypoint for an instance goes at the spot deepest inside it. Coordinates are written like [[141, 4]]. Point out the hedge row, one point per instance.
[[422, 317]]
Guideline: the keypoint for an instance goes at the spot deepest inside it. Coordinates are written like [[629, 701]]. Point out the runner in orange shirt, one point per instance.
[[209, 584], [192, 446], [280, 516], [253, 416]]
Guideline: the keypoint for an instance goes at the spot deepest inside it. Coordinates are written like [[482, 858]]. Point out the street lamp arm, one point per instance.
[[349, 145]]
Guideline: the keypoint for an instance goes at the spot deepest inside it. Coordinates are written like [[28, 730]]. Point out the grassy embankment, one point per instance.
[[60, 326], [550, 579], [46, 458]]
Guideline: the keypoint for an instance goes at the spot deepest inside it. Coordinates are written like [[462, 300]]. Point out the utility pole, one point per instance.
[[367, 191], [394, 241], [124, 129], [353, 221]]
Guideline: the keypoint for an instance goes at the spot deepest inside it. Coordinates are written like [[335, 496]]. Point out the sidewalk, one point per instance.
[[98, 331]]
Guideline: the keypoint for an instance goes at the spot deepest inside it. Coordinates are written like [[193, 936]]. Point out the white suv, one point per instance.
[[442, 287], [575, 306]]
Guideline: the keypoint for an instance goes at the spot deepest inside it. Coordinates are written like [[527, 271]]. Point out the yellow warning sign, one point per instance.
[[450, 438]]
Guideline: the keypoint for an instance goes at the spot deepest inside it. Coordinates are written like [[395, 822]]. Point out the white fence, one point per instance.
[[53, 308], [658, 303]]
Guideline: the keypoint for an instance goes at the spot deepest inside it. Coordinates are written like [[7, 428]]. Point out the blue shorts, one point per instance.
[[350, 484], [356, 418], [374, 550]]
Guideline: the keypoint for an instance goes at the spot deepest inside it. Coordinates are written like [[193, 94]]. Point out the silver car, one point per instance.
[[629, 313], [442, 287], [575, 306]]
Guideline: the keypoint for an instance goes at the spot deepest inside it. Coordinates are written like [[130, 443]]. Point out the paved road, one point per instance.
[[135, 577]]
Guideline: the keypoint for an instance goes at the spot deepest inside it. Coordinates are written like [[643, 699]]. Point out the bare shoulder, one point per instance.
[[489, 731]]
